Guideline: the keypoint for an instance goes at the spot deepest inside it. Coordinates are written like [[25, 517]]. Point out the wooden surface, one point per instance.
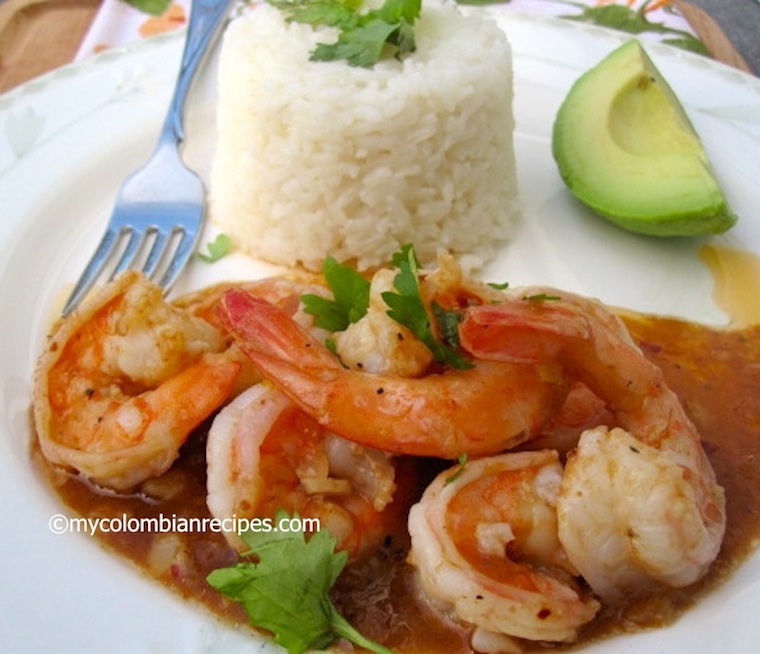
[[712, 36], [39, 35]]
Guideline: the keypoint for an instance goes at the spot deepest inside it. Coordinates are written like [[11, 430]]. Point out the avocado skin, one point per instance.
[[600, 174], [693, 225]]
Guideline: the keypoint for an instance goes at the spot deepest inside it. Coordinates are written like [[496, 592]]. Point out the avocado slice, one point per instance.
[[626, 148]]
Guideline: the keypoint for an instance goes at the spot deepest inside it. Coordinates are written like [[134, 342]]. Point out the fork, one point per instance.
[[160, 208]]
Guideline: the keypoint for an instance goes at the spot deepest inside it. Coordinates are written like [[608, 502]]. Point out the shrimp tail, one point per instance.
[[260, 327], [281, 349], [508, 331], [590, 343]]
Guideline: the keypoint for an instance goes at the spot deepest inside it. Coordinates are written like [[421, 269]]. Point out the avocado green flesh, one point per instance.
[[625, 147]]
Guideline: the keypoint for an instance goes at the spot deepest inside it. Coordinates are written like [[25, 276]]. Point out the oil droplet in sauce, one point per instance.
[[737, 282]]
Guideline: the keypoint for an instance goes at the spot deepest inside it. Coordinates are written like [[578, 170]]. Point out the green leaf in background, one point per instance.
[[623, 18], [152, 7], [633, 21], [690, 43]]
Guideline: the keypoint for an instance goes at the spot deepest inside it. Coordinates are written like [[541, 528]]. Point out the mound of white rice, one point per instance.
[[316, 159]]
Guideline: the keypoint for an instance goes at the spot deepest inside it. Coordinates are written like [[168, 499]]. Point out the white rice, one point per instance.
[[318, 159]]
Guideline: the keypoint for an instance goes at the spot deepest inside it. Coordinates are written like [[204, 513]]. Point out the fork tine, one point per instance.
[[157, 252], [94, 267], [135, 240], [184, 249]]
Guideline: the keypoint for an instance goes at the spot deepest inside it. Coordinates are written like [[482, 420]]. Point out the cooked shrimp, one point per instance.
[[123, 382], [620, 547], [264, 454], [485, 409], [485, 543], [630, 516]]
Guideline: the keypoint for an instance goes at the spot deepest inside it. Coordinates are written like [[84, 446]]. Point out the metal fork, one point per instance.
[[160, 208]]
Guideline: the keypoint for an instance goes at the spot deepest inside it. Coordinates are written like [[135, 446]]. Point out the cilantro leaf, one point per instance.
[[362, 46], [220, 247], [287, 591], [396, 11], [351, 297], [448, 322], [364, 37], [406, 307], [319, 12]]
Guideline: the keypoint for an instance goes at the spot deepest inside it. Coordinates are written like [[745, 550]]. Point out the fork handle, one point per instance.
[[206, 20]]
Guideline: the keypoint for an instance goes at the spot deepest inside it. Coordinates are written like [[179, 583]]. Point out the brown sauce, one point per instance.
[[715, 372]]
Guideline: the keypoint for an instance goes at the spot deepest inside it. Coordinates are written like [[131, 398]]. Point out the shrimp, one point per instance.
[[631, 516], [481, 410], [123, 382], [486, 547], [640, 504], [264, 454]]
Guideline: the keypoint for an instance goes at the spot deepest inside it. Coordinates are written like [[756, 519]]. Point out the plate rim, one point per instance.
[[41, 85]]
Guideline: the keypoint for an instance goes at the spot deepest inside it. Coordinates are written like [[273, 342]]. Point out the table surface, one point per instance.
[[37, 36], [740, 20]]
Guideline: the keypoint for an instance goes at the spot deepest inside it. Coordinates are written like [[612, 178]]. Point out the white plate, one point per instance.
[[68, 140]]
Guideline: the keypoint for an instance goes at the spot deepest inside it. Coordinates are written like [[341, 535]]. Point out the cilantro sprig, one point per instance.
[[286, 592], [351, 297], [351, 300], [364, 38], [406, 307]]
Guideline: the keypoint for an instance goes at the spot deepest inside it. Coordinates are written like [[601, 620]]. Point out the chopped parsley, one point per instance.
[[463, 458], [542, 297], [287, 591], [448, 322], [350, 297], [364, 38], [219, 248]]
